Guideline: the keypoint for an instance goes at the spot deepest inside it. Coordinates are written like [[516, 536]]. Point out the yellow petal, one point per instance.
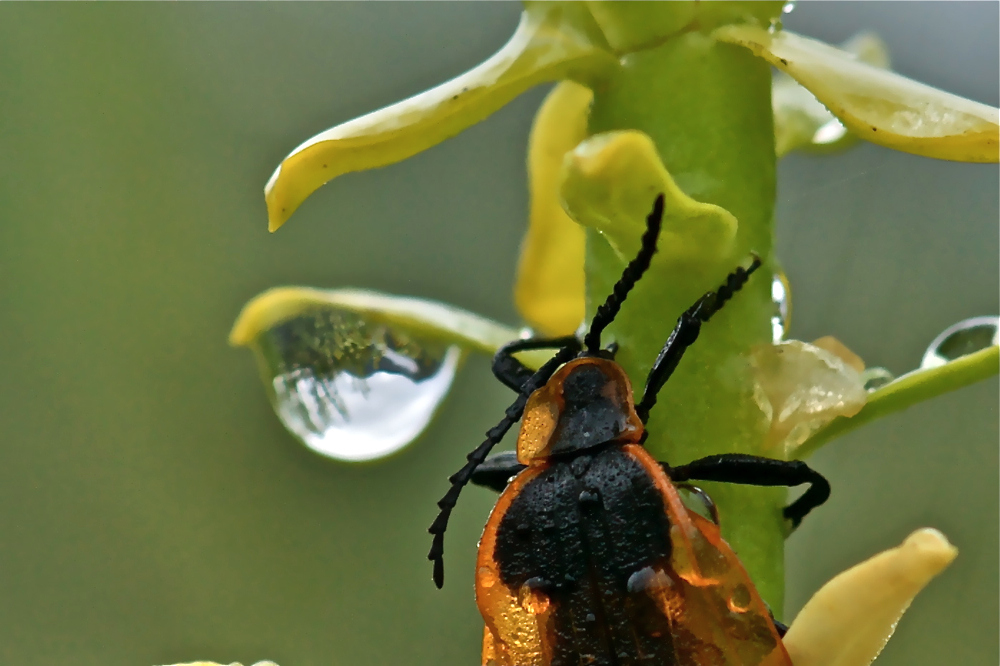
[[550, 291], [418, 316], [878, 105], [608, 182], [848, 621], [801, 121], [553, 41]]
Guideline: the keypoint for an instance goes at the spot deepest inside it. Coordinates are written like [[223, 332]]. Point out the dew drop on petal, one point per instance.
[[961, 339], [353, 389], [830, 132]]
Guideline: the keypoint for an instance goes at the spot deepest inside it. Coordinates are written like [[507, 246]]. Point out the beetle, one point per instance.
[[590, 556]]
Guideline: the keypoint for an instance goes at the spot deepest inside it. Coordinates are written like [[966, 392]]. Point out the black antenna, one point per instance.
[[607, 312], [686, 332], [460, 478]]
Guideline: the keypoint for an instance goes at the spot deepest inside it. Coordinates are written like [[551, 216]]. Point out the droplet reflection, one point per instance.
[[353, 389], [961, 339]]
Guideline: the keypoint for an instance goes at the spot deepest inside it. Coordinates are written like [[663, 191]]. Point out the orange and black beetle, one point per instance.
[[590, 557]]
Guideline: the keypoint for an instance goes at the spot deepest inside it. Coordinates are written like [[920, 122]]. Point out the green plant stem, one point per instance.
[[707, 107]]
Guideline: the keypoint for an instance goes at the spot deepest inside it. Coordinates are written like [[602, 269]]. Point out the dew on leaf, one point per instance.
[[350, 388], [965, 337]]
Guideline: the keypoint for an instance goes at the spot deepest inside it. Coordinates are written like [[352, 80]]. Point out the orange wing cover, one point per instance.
[[620, 603]]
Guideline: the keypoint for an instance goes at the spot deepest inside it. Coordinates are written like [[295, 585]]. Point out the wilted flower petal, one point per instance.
[[801, 387], [909, 389], [608, 182], [848, 621], [878, 105], [554, 40], [550, 281], [801, 120]]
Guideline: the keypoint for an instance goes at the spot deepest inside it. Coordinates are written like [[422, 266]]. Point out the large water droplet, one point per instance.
[[788, 7], [781, 297], [350, 388], [533, 597], [961, 339]]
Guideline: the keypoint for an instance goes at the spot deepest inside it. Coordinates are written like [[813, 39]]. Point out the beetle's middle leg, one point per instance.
[[757, 471]]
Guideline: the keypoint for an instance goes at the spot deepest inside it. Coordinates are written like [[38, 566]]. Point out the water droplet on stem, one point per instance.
[[781, 298], [965, 337]]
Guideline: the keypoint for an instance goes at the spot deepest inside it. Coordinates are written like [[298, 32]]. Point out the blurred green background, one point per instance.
[[152, 508]]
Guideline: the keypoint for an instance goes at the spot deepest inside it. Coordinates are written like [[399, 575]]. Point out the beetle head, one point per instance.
[[588, 402]]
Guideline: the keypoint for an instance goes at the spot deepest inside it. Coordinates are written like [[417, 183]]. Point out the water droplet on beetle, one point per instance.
[[961, 339], [532, 595], [350, 388], [487, 577], [781, 298], [648, 579], [739, 599], [789, 6]]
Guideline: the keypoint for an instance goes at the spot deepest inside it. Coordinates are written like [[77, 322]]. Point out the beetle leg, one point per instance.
[[497, 470], [511, 371], [686, 332], [758, 471]]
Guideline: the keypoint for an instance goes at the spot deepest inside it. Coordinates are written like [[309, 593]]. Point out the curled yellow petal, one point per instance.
[[608, 182], [876, 104], [550, 291], [553, 41], [848, 621], [801, 121], [418, 316]]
